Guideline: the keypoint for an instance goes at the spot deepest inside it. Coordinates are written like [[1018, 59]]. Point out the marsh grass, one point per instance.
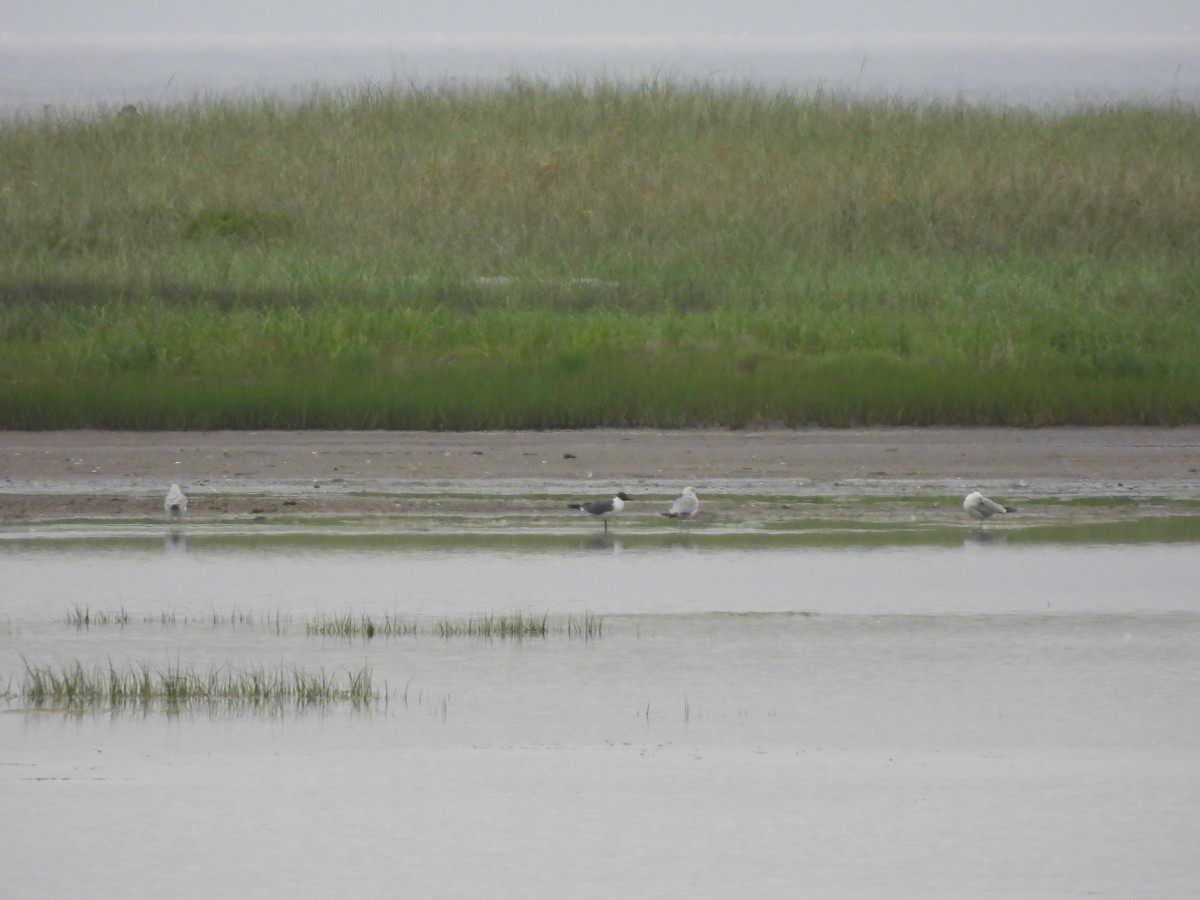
[[502, 626], [588, 626], [84, 617], [74, 686], [347, 625], [516, 626], [490, 626], [520, 626], [537, 257]]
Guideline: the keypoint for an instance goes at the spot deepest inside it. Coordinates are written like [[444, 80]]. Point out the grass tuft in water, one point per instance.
[[85, 617], [509, 626], [516, 626], [589, 626], [74, 686], [347, 625]]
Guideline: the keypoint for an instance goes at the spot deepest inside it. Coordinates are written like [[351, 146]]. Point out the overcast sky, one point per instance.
[[645, 17]]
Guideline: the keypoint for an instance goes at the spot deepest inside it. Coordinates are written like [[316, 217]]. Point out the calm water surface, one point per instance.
[[942, 715]]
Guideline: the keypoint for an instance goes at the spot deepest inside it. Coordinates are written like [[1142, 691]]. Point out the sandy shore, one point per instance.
[[91, 473]]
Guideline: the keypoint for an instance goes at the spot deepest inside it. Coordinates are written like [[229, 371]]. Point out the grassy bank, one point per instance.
[[540, 256]]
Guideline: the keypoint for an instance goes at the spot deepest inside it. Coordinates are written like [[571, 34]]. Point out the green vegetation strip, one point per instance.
[[74, 686], [512, 626], [534, 256]]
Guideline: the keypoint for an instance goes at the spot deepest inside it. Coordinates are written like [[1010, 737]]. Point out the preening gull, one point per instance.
[[604, 509], [176, 502], [685, 507], [980, 507]]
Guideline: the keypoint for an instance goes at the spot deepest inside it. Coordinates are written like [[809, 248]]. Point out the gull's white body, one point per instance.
[[685, 507], [980, 507], [176, 502]]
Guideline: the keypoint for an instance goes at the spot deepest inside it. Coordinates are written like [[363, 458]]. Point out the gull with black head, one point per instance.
[[603, 509]]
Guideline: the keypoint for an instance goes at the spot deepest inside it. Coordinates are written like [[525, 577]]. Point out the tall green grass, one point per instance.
[[537, 256], [74, 686]]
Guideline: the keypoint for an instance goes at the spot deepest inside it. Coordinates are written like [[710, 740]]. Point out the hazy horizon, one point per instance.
[[614, 17], [131, 51]]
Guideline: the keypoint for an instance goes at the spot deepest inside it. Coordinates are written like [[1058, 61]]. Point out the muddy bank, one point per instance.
[[94, 473]]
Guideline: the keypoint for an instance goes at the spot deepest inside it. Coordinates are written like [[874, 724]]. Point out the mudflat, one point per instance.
[[108, 473]]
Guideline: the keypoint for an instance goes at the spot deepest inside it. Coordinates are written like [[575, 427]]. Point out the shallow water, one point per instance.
[[831, 712]]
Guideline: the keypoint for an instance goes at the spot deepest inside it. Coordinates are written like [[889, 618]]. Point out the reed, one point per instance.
[[74, 686], [593, 254], [587, 627], [84, 617], [516, 625], [513, 626], [519, 626], [347, 625]]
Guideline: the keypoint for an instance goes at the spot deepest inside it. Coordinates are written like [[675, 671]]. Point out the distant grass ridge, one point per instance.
[[535, 256]]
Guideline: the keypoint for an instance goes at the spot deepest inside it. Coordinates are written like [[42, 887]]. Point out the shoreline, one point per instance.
[[56, 474]]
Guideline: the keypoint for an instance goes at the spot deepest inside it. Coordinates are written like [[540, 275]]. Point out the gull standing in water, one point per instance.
[[604, 509], [685, 507], [176, 502], [980, 507]]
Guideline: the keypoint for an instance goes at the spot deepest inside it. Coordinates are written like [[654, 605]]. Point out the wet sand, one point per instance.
[[116, 474]]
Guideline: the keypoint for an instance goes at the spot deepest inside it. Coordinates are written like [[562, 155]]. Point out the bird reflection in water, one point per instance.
[[602, 542]]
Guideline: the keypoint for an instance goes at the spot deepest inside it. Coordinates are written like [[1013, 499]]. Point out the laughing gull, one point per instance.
[[603, 508], [176, 502], [685, 507], [980, 507]]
